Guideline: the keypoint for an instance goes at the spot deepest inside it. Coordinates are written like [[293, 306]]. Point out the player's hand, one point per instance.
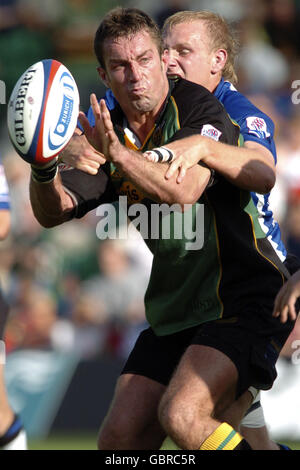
[[111, 146], [188, 152], [285, 301], [93, 134], [81, 155]]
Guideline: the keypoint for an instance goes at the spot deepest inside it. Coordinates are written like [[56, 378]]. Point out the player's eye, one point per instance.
[[144, 60], [184, 52]]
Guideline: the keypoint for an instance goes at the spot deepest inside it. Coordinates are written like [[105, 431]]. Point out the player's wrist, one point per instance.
[[160, 155], [45, 173]]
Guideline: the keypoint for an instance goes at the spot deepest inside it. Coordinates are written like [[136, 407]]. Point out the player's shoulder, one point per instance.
[[238, 105], [187, 92], [195, 100]]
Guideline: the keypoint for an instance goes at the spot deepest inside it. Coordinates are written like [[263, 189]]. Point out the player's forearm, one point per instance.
[[149, 178], [50, 203], [247, 168], [250, 167]]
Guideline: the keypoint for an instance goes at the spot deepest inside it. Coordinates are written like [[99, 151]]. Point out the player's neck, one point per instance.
[[142, 123], [213, 82]]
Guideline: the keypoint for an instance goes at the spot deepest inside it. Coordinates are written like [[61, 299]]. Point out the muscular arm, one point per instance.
[[145, 175], [250, 167], [50, 203], [149, 178]]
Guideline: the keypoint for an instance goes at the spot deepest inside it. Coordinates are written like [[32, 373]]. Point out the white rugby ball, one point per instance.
[[42, 111]]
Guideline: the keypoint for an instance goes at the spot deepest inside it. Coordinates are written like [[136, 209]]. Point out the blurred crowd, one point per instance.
[[67, 289]]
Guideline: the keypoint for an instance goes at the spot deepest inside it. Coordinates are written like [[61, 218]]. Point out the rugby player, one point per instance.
[[202, 49], [212, 334]]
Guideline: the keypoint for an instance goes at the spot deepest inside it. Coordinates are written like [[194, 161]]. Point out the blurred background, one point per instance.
[[77, 302]]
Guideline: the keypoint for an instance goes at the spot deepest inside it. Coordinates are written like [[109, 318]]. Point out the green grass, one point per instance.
[[65, 442], [88, 442], [292, 445]]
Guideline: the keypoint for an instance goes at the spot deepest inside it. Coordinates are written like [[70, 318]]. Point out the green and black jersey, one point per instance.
[[212, 260]]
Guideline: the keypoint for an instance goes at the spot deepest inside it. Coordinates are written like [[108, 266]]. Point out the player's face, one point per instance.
[[135, 72], [190, 55]]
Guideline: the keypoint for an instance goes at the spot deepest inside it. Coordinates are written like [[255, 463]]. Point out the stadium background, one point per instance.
[[77, 302]]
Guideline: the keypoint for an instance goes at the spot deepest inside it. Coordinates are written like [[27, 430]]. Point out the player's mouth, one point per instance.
[[137, 90], [173, 75]]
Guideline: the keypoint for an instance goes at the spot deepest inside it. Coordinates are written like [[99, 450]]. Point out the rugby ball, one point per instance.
[[42, 111]]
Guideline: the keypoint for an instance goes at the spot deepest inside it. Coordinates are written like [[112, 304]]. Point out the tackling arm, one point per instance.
[[250, 167]]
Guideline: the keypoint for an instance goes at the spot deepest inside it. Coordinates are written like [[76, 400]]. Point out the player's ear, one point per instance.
[[165, 59], [219, 60], [103, 75]]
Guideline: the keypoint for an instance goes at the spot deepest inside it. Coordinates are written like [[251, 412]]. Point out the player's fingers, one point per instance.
[[292, 310], [284, 314], [94, 157], [85, 124], [88, 169], [105, 114], [181, 175], [95, 106], [173, 168]]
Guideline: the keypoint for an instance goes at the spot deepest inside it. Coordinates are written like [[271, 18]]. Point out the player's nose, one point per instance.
[[134, 72], [172, 58]]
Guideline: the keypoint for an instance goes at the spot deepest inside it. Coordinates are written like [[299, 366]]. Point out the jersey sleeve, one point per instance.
[[260, 129], [88, 191], [203, 114], [255, 126]]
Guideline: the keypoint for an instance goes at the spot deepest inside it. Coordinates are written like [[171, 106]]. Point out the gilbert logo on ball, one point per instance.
[[42, 111]]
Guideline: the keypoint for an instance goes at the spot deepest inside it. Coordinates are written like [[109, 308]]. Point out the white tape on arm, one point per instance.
[[160, 155]]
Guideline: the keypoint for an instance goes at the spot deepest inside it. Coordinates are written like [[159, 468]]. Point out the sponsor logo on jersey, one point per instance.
[[210, 131], [132, 193], [258, 127]]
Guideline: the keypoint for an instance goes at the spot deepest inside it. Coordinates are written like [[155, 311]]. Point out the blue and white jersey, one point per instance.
[[4, 192], [257, 127]]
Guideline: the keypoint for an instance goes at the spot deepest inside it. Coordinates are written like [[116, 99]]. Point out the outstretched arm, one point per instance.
[[50, 203]]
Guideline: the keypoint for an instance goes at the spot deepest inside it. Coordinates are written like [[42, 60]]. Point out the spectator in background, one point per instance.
[[33, 320], [118, 291], [168, 8], [282, 25], [21, 43], [257, 54]]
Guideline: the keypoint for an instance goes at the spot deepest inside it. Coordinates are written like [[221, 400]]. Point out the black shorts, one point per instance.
[[252, 342]]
